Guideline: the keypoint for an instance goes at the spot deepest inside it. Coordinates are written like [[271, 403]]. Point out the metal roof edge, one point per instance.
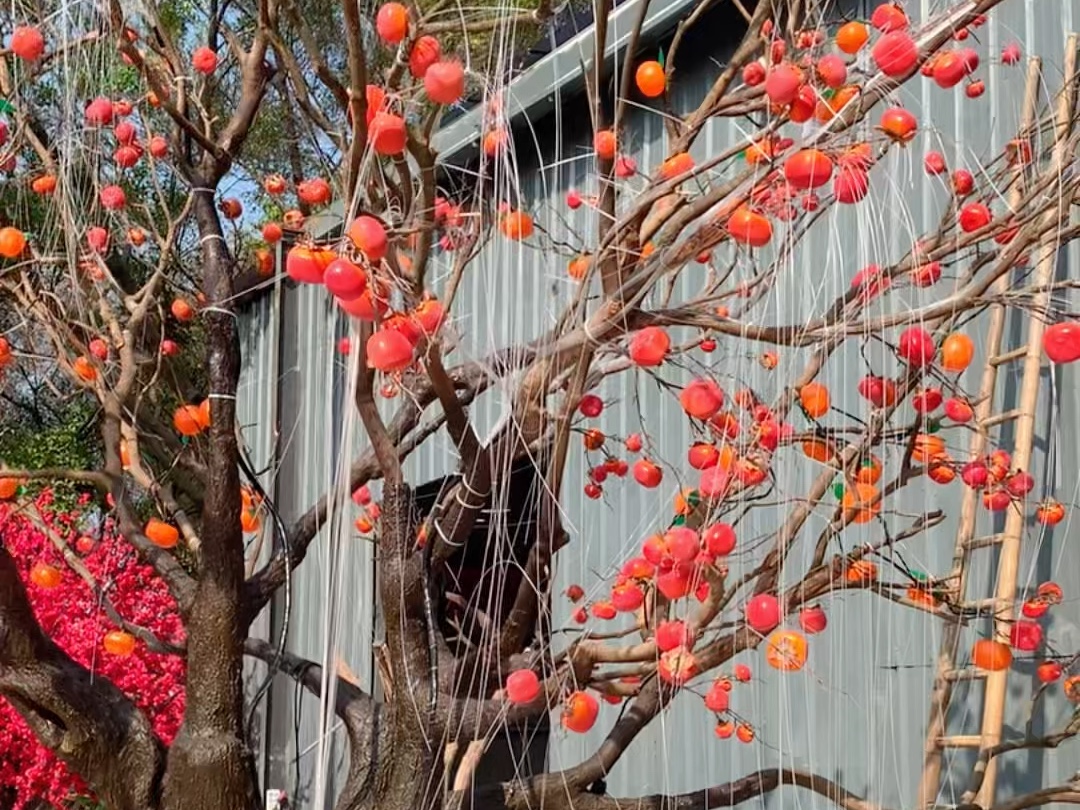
[[559, 69]]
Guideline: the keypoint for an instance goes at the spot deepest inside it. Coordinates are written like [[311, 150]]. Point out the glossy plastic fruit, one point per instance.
[[161, 534], [991, 655], [650, 79], [522, 686], [786, 650]]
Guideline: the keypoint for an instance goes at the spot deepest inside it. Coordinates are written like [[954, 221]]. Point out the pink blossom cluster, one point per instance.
[[71, 614]]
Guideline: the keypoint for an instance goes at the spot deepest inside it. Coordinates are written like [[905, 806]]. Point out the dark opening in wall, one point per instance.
[[484, 575]]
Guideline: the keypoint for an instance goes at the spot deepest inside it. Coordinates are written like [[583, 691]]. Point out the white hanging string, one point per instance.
[[339, 534]]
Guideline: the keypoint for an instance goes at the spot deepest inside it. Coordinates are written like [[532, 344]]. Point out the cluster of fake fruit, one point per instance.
[[114, 121], [443, 80], [117, 127], [99, 113], [165, 535], [994, 475], [369, 510], [784, 649], [190, 421], [718, 701], [1026, 635], [745, 439], [580, 707], [441, 77], [806, 79], [357, 275], [811, 78], [672, 563]]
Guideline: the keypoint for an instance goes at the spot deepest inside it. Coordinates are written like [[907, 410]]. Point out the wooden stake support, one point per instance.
[[1009, 559], [1009, 540], [946, 669]]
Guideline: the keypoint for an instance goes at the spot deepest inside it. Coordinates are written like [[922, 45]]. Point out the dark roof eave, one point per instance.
[[531, 93]]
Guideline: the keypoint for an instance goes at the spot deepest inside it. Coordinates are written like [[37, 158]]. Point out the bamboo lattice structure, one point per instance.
[[1008, 542]]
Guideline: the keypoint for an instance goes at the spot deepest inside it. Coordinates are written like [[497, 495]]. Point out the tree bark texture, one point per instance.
[[408, 776], [210, 764]]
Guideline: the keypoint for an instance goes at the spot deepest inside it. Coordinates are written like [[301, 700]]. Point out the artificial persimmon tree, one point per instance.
[[126, 247]]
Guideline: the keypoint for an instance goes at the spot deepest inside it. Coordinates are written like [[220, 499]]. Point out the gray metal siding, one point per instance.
[[256, 407], [309, 385], [858, 711]]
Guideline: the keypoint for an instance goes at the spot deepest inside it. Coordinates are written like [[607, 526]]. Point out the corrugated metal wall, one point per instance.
[[257, 412], [857, 713], [290, 404]]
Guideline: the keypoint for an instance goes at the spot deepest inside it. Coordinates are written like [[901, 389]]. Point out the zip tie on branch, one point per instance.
[[464, 481], [589, 337], [466, 504], [211, 236], [444, 538], [222, 396], [220, 310]]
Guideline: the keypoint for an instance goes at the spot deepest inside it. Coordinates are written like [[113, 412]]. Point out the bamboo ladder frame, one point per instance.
[[1009, 540]]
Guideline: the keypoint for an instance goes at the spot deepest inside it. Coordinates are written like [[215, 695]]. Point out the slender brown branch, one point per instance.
[[314, 54], [630, 64], [378, 435], [978, 770], [354, 39], [457, 422], [152, 642], [733, 793], [1064, 794], [265, 582], [750, 44]]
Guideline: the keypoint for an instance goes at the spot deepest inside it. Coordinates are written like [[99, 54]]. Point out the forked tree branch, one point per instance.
[[362, 716], [470, 380], [733, 793], [86, 721], [314, 53]]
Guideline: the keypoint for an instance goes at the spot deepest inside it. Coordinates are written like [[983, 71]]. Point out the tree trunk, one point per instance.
[[409, 775], [210, 765]]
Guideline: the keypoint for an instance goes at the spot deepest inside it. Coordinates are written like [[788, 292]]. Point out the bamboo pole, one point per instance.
[[1009, 559], [941, 693]]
